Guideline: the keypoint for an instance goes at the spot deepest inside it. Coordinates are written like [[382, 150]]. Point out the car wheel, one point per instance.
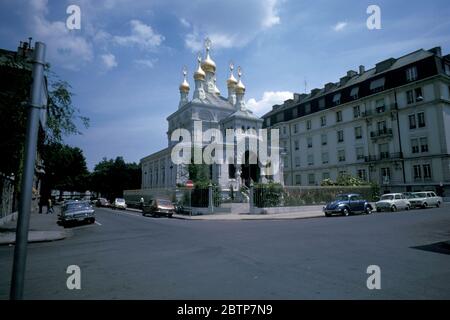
[[438, 204], [425, 205], [170, 215], [345, 212], [393, 208], [407, 208], [368, 210]]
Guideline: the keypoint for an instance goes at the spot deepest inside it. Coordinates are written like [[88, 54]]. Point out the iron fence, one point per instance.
[[291, 196]]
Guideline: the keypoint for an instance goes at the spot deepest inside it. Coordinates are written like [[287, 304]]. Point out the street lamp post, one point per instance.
[[23, 221]]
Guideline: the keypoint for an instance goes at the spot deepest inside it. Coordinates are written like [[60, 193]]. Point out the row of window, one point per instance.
[[375, 86], [311, 177], [420, 173]]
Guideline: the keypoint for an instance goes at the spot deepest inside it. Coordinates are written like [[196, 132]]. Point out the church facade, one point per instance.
[[213, 111]]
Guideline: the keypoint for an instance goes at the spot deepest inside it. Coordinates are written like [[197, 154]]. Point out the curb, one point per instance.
[[9, 238]]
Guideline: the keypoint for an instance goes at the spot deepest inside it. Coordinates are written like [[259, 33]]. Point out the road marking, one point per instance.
[[96, 222]]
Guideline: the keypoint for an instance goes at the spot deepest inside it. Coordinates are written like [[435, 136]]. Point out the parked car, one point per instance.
[[119, 203], [425, 199], [346, 204], [102, 202], [159, 207], [76, 211], [393, 202]]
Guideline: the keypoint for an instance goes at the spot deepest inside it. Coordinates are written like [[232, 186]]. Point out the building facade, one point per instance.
[[389, 125], [213, 111]]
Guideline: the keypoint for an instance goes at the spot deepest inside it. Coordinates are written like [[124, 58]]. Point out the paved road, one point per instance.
[[127, 256]]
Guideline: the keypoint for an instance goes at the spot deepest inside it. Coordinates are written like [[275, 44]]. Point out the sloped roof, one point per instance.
[[359, 78]]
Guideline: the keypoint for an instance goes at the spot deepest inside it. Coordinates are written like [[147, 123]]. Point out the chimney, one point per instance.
[[314, 91], [329, 86], [362, 69], [351, 73], [437, 51]]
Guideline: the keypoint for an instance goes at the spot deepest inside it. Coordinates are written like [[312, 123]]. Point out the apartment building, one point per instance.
[[389, 125]]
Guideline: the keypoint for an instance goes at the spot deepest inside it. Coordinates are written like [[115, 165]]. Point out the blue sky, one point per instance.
[[125, 62]]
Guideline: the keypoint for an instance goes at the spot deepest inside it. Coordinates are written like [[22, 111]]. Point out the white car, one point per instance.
[[425, 199], [119, 203], [392, 202]]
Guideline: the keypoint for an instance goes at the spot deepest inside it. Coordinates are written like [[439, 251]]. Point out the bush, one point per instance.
[[268, 195]]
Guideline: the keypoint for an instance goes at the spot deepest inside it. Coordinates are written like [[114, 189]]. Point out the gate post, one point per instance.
[[210, 199], [250, 197]]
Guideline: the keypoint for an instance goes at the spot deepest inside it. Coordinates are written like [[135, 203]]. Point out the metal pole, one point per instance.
[[23, 221]]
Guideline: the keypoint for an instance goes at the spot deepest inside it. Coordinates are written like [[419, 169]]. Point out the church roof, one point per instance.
[[214, 100], [242, 114]]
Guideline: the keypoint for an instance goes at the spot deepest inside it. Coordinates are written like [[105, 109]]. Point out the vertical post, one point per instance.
[[23, 221], [210, 199], [250, 197]]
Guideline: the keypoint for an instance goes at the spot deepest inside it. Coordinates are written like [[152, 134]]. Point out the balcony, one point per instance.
[[380, 110], [382, 133], [384, 156]]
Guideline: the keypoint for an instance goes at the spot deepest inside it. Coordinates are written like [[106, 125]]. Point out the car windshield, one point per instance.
[[120, 200], [387, 197], [164, 202], [77, 206], [420, 195], [341, 197]]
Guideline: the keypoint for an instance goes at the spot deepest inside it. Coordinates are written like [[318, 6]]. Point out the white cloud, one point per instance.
[[142, 36], [67, 49], [149, 63], [109, 60], [340, 26], [269, 99], [232, 23], [271, 17], [185, 23]]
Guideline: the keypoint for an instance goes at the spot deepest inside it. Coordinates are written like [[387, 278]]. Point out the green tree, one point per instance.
[[111, 177], [65, 169]]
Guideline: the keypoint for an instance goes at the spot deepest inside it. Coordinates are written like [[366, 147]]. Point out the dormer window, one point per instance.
[[411, 74], [308, 108], [354, 94], [377, 85], [447, 69], [322, 104], [337, 99]]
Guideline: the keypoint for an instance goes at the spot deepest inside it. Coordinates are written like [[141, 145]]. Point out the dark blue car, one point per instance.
[[346, 204]]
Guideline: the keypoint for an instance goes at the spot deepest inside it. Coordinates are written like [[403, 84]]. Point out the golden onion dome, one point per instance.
[[208, 64], [216, 90], [199, 74], [240, 88], [231, 82], [184, 86]]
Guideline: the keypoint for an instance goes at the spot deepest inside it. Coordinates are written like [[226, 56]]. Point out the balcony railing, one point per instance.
[[384, 156], [386, 132], [379, 110]]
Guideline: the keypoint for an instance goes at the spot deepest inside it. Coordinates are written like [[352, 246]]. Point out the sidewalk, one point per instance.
[[235, 216], [42, 228], [303, 213]]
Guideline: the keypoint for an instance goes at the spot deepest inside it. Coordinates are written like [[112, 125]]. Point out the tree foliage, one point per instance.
[[111, 177], [65, 169]]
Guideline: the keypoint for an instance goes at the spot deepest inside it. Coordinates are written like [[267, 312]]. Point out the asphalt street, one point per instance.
[[127, 256]]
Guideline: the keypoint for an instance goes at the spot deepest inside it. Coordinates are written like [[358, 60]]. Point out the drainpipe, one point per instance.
[[399, 138]]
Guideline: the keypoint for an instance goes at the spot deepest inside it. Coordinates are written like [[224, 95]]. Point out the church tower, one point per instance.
[[209, 66], [184, 90]]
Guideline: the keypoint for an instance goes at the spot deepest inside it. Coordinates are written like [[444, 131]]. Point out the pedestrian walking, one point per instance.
[[49, 206]]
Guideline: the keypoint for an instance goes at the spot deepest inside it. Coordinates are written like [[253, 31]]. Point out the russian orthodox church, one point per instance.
[[214, 111]]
